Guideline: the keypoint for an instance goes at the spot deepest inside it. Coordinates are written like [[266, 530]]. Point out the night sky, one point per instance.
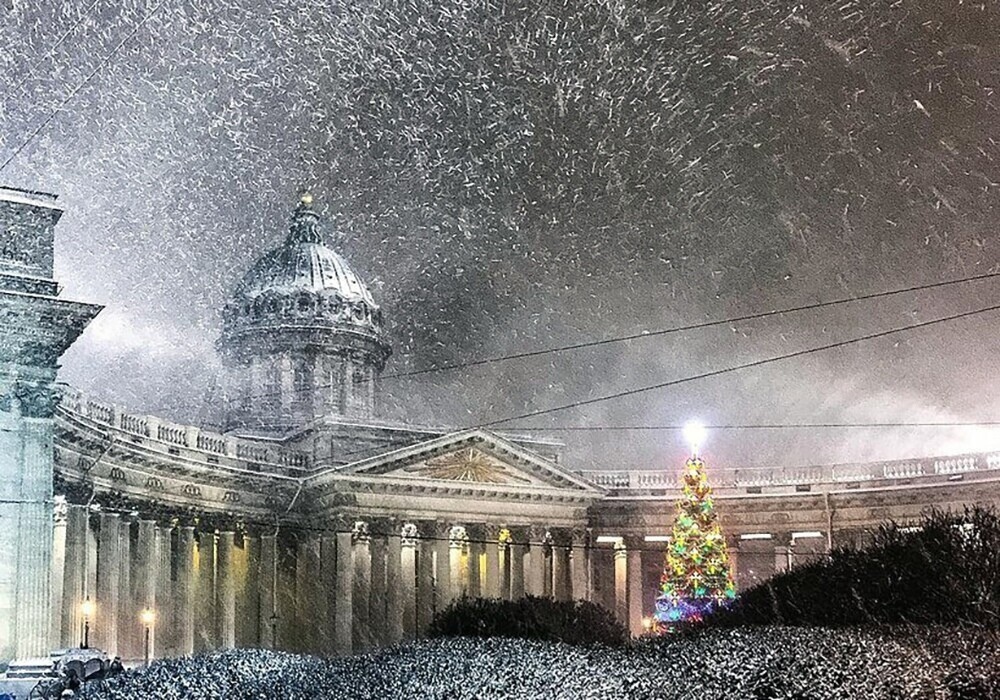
[[516, 175]]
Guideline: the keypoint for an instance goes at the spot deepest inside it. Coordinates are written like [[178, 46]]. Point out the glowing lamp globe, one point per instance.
[[147, 617], [695, 434]]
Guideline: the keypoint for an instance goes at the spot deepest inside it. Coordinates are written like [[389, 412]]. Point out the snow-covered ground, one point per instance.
[[758, 663]]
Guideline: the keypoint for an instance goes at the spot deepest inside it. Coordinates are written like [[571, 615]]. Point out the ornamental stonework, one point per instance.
[[468, 464]]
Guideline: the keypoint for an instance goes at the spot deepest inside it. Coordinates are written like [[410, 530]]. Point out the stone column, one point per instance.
[[580, 565], [733, 549], [268, 581], [104, 628], [621, 583], [147, 560], [344, 636], [408, 580], [377, 613], [517, 552], [536, 563], [425, 579], [328, 592], [636, 602], [185, 590], [548, 565], [26, 524], [491, 580], [561, 588], [362, 586], [248, 593], [394, 590], [166, 608], [227, 591], [458, 540], [128, 615], [74, 577], [58, 570], [205, 604], [308, 608], [473, 587], [442, 567], [782, 552]]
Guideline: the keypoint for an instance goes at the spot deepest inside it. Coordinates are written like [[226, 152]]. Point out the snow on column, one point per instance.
[[74, 572], [621, 582], [377, 612], [580, 565], [394, 586], [408, 579], [361, 635], [185, 590], [344, 637], [634, 574], [105, 623], [268, 593], [425, 579], [227, 591], [491, 579]]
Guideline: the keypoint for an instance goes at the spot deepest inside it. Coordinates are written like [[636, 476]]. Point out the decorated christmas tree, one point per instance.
[[696, 578]]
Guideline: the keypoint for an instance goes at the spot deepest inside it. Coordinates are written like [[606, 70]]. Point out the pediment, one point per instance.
[[473, 457], [469, 464]]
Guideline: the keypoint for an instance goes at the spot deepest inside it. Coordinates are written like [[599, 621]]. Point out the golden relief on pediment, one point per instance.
[[468, 465]]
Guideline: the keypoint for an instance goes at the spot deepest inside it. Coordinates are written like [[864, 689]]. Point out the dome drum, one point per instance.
[[302, 336]]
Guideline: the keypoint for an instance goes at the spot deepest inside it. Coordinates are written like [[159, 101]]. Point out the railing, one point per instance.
[[189, 437], [835, 475]]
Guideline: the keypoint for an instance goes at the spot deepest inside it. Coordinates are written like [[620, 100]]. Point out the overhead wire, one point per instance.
[[76, 90]]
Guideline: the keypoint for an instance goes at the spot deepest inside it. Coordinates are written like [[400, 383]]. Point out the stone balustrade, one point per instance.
[[824, 478], [202, 445]]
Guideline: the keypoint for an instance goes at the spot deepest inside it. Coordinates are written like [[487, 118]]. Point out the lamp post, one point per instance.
[[148, 619], [88, 608]]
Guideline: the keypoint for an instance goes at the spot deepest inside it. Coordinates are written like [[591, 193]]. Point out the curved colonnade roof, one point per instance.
[[143, 459]]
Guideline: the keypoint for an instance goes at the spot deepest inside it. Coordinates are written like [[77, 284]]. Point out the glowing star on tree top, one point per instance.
[[695, 433]]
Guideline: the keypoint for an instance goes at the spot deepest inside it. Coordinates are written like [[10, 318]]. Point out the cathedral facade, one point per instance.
[[308, 523]]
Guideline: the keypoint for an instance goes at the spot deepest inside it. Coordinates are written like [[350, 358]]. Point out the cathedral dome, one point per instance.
[[302, 337], [303, 281]]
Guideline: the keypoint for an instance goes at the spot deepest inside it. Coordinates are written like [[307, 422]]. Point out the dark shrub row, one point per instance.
[[947, 572], [572, 622]]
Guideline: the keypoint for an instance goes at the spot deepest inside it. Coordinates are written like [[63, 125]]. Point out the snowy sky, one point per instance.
[[516, 175]]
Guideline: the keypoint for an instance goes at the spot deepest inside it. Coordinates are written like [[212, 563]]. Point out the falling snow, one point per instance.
[[520, 175]]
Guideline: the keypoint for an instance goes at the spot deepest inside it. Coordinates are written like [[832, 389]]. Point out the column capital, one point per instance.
[[60, 510], [458, 536], [621, 551], [537, 533], [409, 534], [359, 532]]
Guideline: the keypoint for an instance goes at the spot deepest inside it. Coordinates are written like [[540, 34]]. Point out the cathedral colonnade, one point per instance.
[[342, 589]]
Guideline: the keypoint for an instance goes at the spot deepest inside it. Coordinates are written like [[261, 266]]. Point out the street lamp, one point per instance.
[[695, 434], [148, 619], [88, 609]]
